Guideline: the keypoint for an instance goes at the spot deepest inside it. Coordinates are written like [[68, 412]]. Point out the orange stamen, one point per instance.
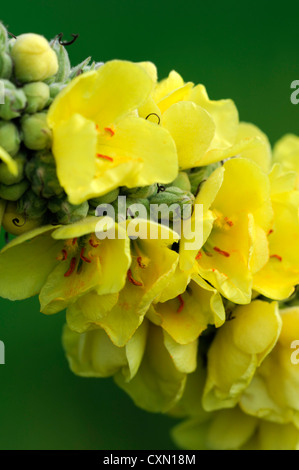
[[71, 268], [111, 131], [277, 257], [87, 260], [140, 263], [229, 222], [132, 280], [198, 256], [74, 241], [99, 155], [93, 244], [221, 252], [182, 304], [270, 231]]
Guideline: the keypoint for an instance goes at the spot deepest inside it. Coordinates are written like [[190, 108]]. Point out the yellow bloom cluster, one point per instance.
[[205, 333]]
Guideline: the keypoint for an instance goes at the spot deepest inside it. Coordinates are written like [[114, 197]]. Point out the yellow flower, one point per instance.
[[273, 392], [204, 130], [237, 216], [151, 367], [34, 60], [62, 264], [238, 348], [99, 142], [227, 429], [280, 274], [234, 430], [153, 264], [286, 152], [185, 317]]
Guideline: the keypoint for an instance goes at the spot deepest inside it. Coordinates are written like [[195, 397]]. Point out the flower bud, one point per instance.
[[15, 223], [41, 172], [64, 66], [5, 65], [105, 199], [14, 101], [6, 177], [37, 94], [181, 201], [9, 137], [3, 38], [36, 133], [13, 192], [200, 174], [80, 68], [182, 182], [143, 192], [34, 59], [67, 213], [31, 206]]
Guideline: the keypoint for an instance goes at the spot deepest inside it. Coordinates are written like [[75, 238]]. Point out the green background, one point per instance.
[[247, 51]]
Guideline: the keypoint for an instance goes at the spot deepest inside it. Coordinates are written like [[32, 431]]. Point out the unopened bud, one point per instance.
[[64, 66], [14, 101], [32, 206], [37, 94], [9, 137], [140, 193], [36, 133], [3, 38], [5, 65], [6, 177], [182, 182], [67, 213], [34, 59], [105, 199], [182, 202], [13, 192], [41, 172], [15, 223]]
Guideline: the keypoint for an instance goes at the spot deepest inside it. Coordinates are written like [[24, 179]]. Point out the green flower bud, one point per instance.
[[15, 223], [31, 206], [36, 133], [64, 65], [106, 199], [14, 101], [67, 213], [37, 94], [5, 65], [6, 177], [198, 175], [140, 193], [182, 182], [41, 172], [174, 196], [133, 207], [80, 68], [3, 38], [14, 191], [9, 137], [54, 88], [34, 59]]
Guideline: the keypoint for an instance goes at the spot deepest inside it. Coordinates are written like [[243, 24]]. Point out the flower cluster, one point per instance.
[[203, 333]]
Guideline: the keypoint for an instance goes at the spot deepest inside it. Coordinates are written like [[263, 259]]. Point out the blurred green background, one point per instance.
[[245, 51]]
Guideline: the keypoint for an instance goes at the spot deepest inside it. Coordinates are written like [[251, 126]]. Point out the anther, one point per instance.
[[182, 304], [71, 268], [140, 263], [84, 258], [106, 157], [110, 131], [277, 257], [132, 280], [221, 252]]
